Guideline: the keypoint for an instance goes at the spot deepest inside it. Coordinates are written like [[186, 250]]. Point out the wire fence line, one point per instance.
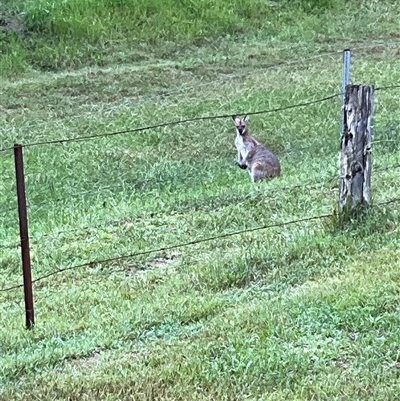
[[135, 185], [171, 247], [387, 87], [317, 145], [187, 120], [141, 183], [195, 241], [187, 244], [180, 122], [227, 199], [172, 123], [215, 201]]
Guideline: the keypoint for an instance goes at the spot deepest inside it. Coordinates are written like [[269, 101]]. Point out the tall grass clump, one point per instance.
[[12, 55]]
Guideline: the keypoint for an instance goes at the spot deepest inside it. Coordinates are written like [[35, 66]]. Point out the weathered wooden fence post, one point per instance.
[[24, 235], [356, 141]]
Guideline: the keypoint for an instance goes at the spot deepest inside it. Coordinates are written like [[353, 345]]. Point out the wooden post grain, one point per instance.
[[356, 140]]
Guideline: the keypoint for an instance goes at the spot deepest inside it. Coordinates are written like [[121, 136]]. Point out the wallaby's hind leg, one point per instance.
[[257, 175], [258, 172]]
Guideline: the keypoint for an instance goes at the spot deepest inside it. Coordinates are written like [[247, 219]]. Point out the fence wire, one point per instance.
[[176, 122], [170, 247], [220, 201], [188, 120], [217, 202], [186, 244]]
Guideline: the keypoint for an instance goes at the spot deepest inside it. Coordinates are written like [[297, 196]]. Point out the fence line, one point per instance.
[[185, 244], [276, 190], [195, 241], [388, 87], [141, 182], [184, 121], [235, 198], [167, 248], [176, 122], [315, 145]]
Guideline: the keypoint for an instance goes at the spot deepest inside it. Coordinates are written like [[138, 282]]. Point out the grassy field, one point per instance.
[[301, 311]]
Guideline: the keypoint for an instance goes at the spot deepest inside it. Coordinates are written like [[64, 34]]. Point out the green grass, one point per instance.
[[294, 312], [71, 34]]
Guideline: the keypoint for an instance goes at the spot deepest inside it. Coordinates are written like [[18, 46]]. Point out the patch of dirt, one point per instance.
[[11, 25], [156, 263], [161, 262]]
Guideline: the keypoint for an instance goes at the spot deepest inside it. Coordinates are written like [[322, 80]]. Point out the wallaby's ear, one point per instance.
[[246, 118], [236, 119]]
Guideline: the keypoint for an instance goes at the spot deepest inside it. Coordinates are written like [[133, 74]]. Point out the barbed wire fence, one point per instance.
[[7, 151]]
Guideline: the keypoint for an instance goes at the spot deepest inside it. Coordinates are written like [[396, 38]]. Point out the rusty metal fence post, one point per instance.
[[24, 236]]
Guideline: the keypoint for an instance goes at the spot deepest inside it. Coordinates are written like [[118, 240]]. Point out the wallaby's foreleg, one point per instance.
[[241, 162]]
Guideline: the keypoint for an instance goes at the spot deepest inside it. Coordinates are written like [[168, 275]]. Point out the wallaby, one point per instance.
[[253, 155]]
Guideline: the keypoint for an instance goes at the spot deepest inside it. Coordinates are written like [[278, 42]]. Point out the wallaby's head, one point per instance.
[[241, 125]]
